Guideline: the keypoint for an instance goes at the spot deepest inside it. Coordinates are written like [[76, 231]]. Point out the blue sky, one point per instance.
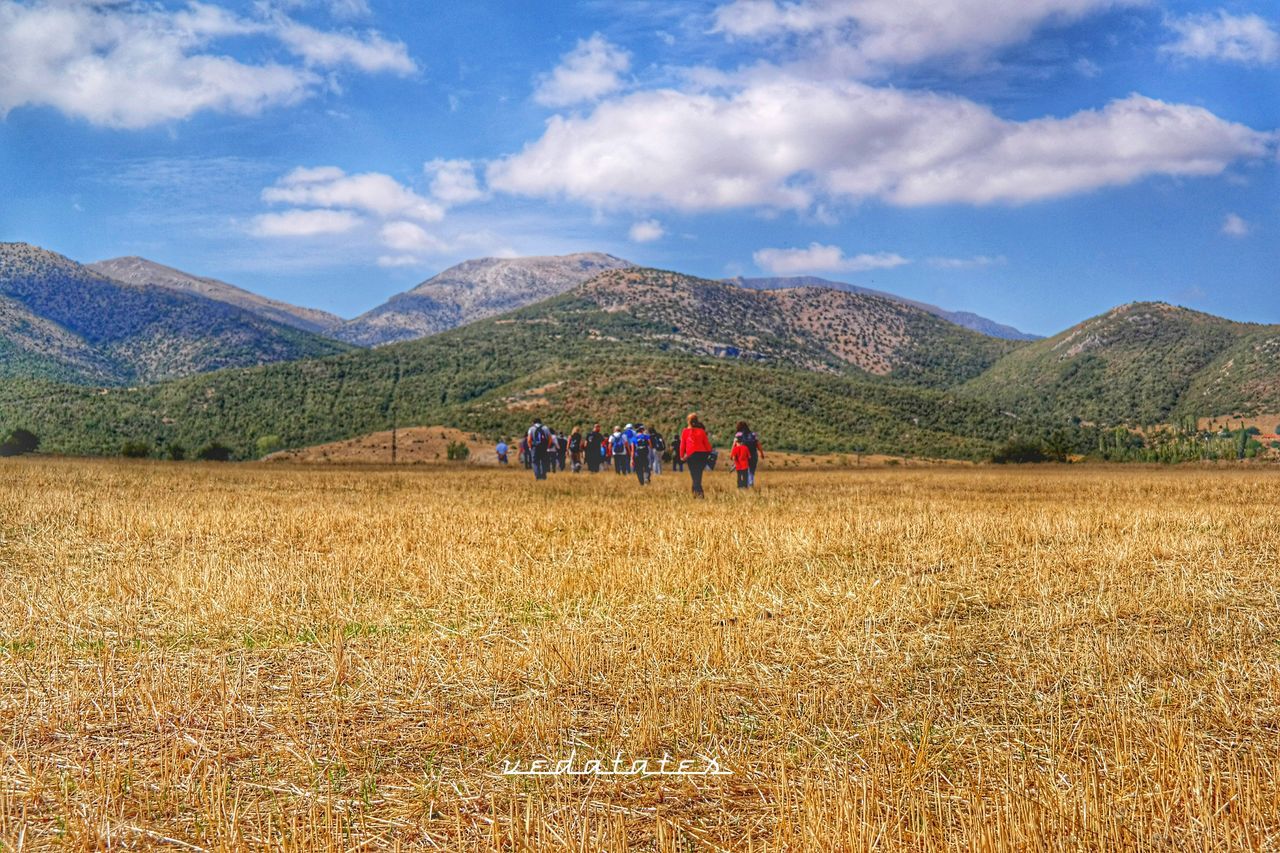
[[1036, 161]]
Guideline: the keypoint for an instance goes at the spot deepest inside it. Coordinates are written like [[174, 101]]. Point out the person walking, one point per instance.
[[594, 449], [562, 449], [695, 448], [659, 447], [618, 448], [641, 454], [575, 449], [677, 464], [741, 457], [745, 436], [501, 450], [526, 458], [539, 438]]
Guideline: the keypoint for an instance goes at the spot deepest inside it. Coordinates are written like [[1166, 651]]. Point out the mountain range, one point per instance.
[[473, 290], [62, 320], [967, 319], [815, 368]]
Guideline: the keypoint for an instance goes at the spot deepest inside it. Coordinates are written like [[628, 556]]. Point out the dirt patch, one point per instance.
[[414, 446]]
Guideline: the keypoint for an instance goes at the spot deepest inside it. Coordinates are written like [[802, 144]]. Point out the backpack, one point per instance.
[[658, 443], [619, 445], [575, 443], [642, 443], [541, 438], [752, 443]]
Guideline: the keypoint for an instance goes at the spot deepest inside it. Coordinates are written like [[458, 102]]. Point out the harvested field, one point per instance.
[[219, 657]]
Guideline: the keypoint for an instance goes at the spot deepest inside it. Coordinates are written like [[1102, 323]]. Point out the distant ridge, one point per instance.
[[474, 290], [1140, 363], [135, 270], [961, 318], [62, 320]]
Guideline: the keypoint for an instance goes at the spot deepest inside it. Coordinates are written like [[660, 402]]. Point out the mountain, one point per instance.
[[848, 372], [1142, 363], [61, 320], [471, 291], [140, 271], [967, 319], [815, 329]]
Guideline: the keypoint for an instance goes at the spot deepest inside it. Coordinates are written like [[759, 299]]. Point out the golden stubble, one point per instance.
[[245, 657]]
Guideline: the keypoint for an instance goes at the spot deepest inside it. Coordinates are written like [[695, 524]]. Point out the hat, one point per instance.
[[628, 426]]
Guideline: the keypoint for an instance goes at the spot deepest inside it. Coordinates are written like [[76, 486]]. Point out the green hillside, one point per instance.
[[61, 320], [1143, 363], [570, 359]]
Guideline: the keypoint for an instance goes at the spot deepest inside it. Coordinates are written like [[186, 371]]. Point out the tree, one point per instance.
[[176, 452], [135, 450], [1019, 450], [214, 452], [268, 444], [20, 441]]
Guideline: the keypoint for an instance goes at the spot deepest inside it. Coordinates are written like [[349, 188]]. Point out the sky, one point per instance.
[[1034, 161]]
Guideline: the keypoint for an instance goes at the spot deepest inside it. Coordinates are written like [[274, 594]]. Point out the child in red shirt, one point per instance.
[[741, 455]]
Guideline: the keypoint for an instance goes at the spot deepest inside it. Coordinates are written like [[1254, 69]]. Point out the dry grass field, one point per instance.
[[308, 658]]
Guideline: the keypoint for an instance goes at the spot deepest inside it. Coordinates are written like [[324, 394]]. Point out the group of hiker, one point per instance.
[[634, 449]]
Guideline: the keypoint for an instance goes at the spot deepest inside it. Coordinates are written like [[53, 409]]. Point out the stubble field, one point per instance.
[[256, 656]]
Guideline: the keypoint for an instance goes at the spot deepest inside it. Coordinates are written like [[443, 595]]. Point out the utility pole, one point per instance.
[[395, 409]]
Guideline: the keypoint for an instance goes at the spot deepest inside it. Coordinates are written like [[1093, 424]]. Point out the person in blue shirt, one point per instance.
[[619, 448], [641, 454], [501, 450]]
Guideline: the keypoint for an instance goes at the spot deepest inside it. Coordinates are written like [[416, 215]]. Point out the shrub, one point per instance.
[[176, 452], [214, 452], [457, 451], [135, 450], [20, 441], [1018, 450], [268, 444]]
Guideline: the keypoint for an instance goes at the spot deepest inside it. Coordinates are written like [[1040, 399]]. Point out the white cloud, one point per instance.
[[372, 53], [453, 181], [304, 223], [871, 34], [646, 231], [974, 262], [409, 237], [132, 65], [1247, 39], [594, 68], [390, 261], [1235, 226], [788, 144], [371, 192], [820, 258]]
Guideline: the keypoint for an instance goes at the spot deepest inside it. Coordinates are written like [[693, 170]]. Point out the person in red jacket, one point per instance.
[[741, 456], [695, 448]]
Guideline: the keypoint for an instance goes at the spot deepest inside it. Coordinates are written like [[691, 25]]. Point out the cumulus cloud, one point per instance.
[[820, 258], [646, 231], [594, 68], [788, 143], [132, 65], [393, 212], [453, 181], [371, 53], [869, 34], [1235, 226], [304, 223], [409, 237], [1248, 39], [371, 192]]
